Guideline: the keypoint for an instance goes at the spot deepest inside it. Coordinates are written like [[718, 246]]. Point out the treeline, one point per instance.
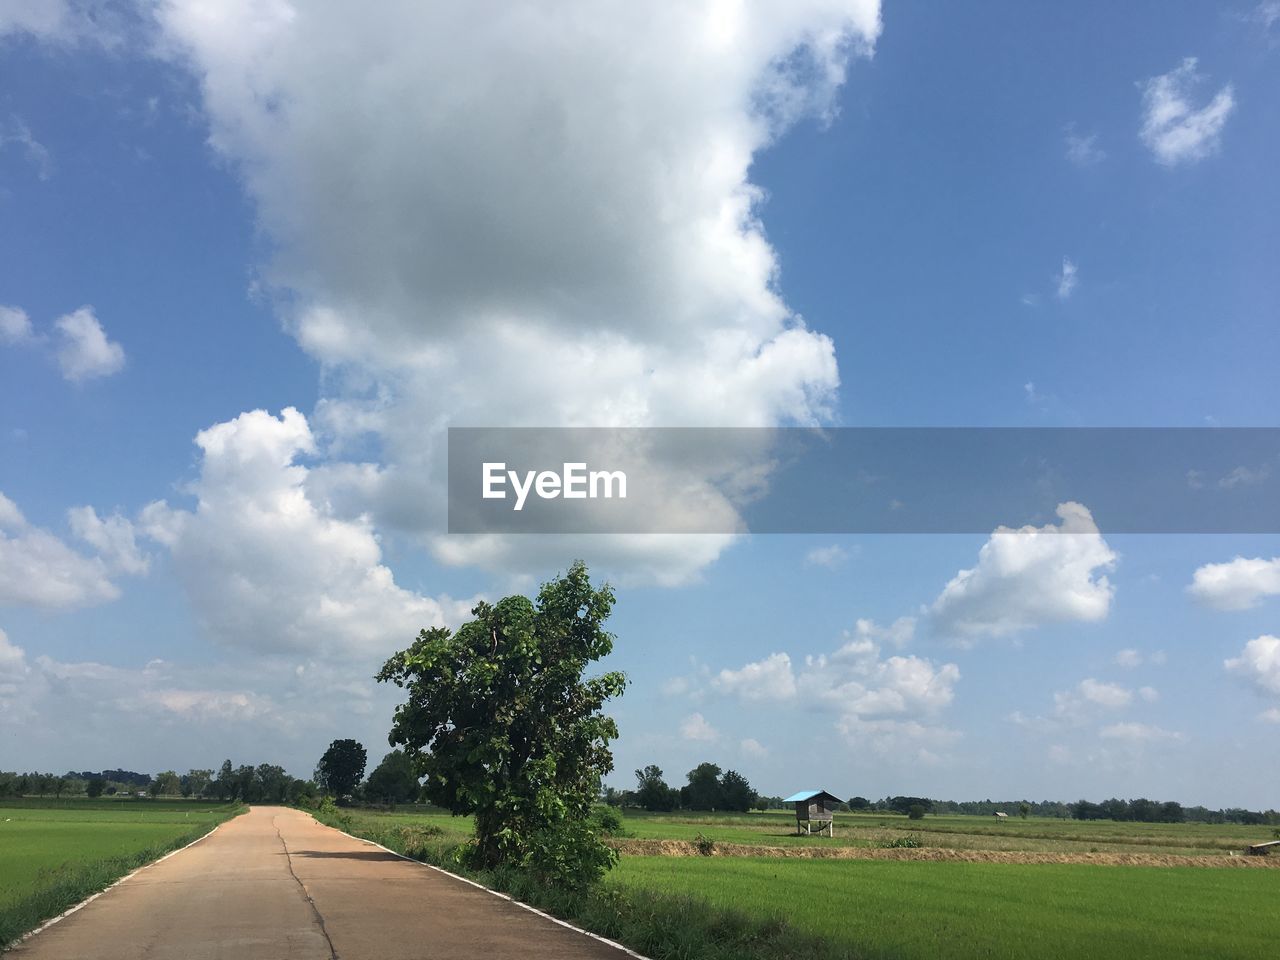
[[708, 788], [265, 783]]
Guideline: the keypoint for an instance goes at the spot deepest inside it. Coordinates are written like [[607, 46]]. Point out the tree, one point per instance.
[[736, 792], [652, 792], [703, 791], [502, 724], [859, 803], [1024, 808], [393, 780], [95, 786], [224, 786], [166, 784], [341, 768], [916, 811], [195, 783]]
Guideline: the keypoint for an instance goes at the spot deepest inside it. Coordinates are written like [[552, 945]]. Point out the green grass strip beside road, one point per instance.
[[52, 859]]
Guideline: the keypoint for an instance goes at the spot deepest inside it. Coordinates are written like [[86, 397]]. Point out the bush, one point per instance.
[[910, 842], [915, 811], [607, 822], [705, 845], [568, 856]]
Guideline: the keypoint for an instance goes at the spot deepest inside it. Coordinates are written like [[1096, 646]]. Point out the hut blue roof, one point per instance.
[[809, 795]]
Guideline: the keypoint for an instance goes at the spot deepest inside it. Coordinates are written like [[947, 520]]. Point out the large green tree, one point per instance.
[[504, 726], [393, 780], [652, 791], [341, 768]]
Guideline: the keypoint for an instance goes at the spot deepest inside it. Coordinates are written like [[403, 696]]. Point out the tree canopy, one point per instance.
[[502, 724], [341, 768], [393, 780]]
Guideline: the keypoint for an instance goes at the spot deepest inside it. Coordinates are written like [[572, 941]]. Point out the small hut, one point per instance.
[[1001, 815], [814, 808]]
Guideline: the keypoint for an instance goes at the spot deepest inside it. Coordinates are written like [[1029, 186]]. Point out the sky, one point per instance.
[[257, 257]]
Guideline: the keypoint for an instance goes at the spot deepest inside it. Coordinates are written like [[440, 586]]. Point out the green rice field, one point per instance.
[[962, 910]]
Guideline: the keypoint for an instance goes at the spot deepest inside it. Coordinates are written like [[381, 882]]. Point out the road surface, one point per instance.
[[275, 885]]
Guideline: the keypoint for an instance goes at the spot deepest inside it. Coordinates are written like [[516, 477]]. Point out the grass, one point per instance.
[[1035, 834], [54, 853], [962, 910], [752, 908]]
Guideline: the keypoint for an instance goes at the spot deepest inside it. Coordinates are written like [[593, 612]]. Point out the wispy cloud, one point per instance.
[[1082, 149], [16, 133], [1174, 129], [1067, 278]]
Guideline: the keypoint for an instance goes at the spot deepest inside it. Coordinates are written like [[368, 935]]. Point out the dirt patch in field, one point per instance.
[[683, 848]]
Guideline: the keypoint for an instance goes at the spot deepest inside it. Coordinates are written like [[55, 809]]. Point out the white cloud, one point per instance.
[[114, 538], [1029, 577], [1239, 584], [1259, 664], [43, 18], [84, 351], [14, 675], [62, 21], [267, 567], [696, 728], [1067, 278], [15, 326], [1270, 715], [830, 557], [899, 633], [1082, 149], [1110, 695], [753, 748], [765, 680], [1135, 733], [1128, 658], [1244, 477], [16, 132], [1172, 127], [855, 681], [37, 569], [554, 199]]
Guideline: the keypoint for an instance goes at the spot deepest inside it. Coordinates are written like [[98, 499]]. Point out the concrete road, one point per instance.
[[274, 884]]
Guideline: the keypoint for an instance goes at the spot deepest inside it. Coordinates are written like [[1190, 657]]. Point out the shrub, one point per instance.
[[705, 845], [909, 841], [915, 811], [607, 822]]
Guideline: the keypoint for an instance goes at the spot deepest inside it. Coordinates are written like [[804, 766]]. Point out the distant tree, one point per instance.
[[503, 725], [166, 784], [735, 792], [224, 786], [59, 784], [341, 768], [916, 811], [859, 803], [393, 780], [1024, 808], [196, 782], [703, 791], [95, 786], [270, 783], [652, 792]]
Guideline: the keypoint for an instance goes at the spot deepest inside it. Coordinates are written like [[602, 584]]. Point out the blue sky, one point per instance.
[[941, 216]]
